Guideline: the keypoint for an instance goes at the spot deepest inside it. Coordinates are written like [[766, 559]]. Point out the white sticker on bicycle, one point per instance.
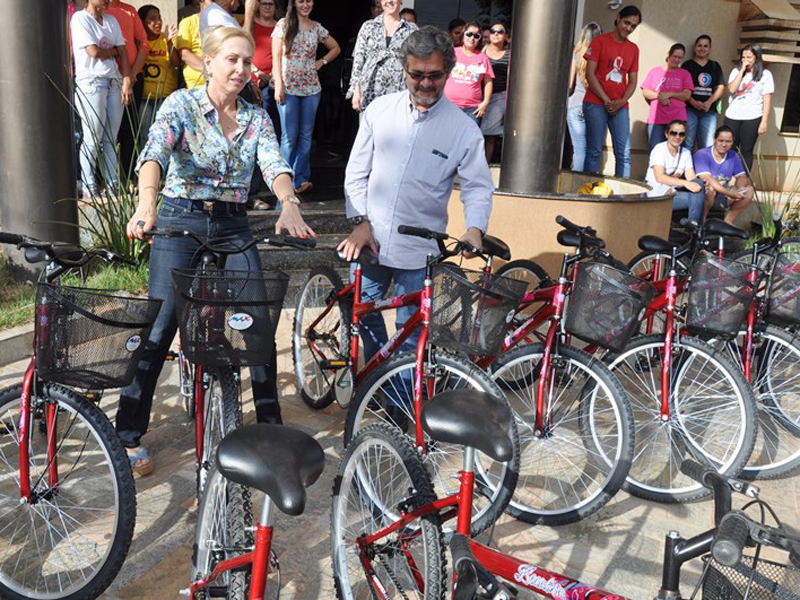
[[510, 315], [133, 343], [240, 321]]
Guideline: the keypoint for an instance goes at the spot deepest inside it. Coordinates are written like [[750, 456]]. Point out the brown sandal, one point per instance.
[[140, 461]]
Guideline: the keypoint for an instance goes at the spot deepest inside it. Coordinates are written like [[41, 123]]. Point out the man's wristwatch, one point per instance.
[[358, 220]]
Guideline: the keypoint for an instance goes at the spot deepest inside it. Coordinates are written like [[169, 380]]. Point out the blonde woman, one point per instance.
[[200, 154], [577, 90]]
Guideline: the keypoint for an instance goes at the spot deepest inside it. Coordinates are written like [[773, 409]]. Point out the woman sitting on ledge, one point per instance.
[[671, 173]]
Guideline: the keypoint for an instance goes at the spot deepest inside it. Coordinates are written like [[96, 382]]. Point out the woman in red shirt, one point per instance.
[[612, 71]]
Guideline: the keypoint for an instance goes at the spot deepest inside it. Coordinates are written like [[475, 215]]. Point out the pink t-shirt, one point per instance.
[[661, 80], [464, 87], [132, 28]]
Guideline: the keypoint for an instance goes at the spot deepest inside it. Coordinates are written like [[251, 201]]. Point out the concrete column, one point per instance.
[[36, 128], [536, 111]]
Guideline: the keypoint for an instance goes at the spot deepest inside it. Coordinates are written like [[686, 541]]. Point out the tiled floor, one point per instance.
[[619, 549]]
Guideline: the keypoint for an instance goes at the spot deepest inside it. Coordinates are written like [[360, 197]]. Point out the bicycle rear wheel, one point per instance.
[[71, 541], [712, 416], [386, 396], [221, 533], [381, 472], [583, 457], [534, 275], [330, 338]]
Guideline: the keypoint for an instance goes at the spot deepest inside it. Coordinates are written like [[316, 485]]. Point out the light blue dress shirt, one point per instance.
[[401, 172]]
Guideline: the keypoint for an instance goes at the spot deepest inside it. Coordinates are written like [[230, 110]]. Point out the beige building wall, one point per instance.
[[168, 8], [671, 21]]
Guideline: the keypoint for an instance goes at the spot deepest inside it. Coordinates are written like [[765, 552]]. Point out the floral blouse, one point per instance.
[[186, 140], [376, 65], [299, 75]]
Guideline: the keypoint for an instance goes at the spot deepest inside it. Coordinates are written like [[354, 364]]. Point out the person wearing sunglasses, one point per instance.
[[667, 90], [671, 173], [471, 81], [409, 148], [492, 122]]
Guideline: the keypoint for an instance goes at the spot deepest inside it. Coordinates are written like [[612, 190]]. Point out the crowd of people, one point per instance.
[[684, 100]]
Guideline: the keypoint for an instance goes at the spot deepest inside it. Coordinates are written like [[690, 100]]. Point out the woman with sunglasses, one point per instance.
[[470, 84], [666, 89], [671, 173], [492, 122]]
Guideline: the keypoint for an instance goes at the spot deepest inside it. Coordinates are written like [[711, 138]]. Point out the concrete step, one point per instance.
[[323, 217]]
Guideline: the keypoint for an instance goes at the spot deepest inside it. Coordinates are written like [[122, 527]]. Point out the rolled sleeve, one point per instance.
[[476, 184], [269, 155], [163, 135], [359, 167]]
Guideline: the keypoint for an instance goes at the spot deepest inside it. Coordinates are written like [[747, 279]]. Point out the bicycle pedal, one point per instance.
[[333, 364]]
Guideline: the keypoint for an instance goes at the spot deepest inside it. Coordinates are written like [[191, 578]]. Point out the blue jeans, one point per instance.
[[136, 400], [700, 127], [597, 120], [99, 105], [655, 135], [297, 125], [470, 112], [694, 201], [147, 114], [577, 133]]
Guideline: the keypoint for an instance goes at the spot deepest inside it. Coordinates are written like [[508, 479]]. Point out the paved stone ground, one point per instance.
[[618, 549]]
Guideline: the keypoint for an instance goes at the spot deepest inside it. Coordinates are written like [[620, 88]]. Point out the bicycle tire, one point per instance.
[[223, 414], [395, 377], [534, 274], [380, 470], [315, 385], [74, 562], [720, 435], [562, 481], [221, 532], [777, 366], [641, 266]]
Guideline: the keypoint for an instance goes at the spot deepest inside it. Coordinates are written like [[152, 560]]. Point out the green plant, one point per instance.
[[769, 197]]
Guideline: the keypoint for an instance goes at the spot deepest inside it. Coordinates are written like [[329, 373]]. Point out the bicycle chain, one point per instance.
[[392, 576]]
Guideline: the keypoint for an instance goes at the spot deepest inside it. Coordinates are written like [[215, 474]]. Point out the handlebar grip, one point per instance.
[[11, 238], [567, 224], [732, 535], [460, 550], [422, 232], [696, 471], [777, 222], [302, 242]]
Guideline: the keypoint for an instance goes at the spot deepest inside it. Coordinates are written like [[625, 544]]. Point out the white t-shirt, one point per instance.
[[87, 31], [674, 166], [748, 101], [214, 15]]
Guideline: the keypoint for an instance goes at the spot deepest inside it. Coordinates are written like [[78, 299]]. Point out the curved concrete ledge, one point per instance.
[[527, 222]]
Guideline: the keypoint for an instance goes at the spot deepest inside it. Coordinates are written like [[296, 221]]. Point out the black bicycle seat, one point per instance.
[[651, 243], [719, 227], [278, 460], [470, 418], [495, 247]]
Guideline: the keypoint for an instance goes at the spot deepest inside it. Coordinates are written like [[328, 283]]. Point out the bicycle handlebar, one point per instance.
[[279, 241], [67, 256], [11, 238], [731, 537], [441, 238], [422, 232]]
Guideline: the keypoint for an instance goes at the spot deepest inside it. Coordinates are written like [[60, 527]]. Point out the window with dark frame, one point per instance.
[[791, 108]]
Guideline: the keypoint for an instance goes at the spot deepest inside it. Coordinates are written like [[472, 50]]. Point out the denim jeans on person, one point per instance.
[[577, 133], [136, 400], [375, 282], [147, 114], [597, 120], [693, 201], [470, 112], [99, 106], [298, 114], [700, 128], [655, 135]]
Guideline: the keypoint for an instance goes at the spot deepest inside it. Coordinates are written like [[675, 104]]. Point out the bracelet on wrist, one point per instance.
[[290, 199]]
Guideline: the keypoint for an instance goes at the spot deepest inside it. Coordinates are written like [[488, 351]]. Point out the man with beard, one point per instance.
[[409, 148]]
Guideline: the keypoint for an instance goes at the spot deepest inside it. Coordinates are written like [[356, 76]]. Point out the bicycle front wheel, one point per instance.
[[387, 396], [70, 541], [581, 458], [712, 416], [380, 475], [222, 521], [328, 340]]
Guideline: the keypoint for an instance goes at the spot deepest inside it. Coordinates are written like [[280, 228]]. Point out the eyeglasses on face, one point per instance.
[[267, 4], [497, 31], [433, 76], [677, 133], [472, 34]]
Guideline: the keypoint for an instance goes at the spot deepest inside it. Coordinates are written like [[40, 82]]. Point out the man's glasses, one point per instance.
[[472, 34], [497, 31], [433, 76], [267, 5], [678, 133]]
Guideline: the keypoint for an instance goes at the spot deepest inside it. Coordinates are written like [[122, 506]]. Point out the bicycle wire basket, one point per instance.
[[90, 339], [606, 304], [227, 317], [770, 580], [720, 293], [471, 310], [784, 294]]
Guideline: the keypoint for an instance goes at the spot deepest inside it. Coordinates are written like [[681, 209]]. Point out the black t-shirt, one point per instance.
[[705, 79]]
